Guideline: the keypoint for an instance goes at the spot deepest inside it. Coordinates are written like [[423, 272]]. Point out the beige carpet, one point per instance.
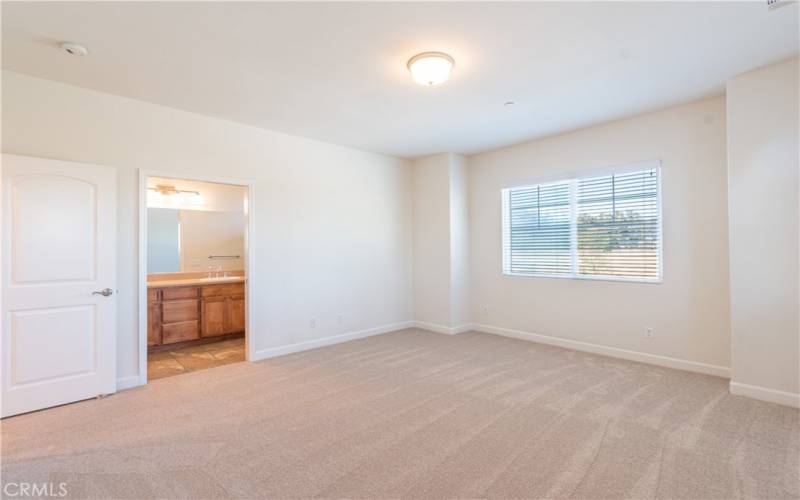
[[416, 415]]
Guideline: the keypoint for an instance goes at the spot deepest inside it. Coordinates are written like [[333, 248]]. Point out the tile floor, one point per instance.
[[189, 359]]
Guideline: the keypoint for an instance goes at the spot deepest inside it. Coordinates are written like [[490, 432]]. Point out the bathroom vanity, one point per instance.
[[187, 310]]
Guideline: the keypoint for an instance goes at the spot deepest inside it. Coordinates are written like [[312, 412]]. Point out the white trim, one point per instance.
[[614, 352], [249, 261], [141, 283], [447, 330], [335, 339], [588, 277], [128, 382], [764, 394], [462, 328]]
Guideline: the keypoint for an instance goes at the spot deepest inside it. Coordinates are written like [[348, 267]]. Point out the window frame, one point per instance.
[[575, 176]]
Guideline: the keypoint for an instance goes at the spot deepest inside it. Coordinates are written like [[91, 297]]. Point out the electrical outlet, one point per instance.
[[485, 311], [313, 323], [648, 333]]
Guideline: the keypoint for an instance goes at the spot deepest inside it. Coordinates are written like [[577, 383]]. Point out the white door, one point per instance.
[[58, 282]]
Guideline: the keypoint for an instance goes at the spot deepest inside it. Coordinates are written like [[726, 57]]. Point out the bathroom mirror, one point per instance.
[[194, 240]]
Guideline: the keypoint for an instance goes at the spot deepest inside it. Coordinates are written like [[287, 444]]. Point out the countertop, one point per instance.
[[194, 281]]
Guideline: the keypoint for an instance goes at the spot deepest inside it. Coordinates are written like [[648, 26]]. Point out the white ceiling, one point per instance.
[[336, 71]]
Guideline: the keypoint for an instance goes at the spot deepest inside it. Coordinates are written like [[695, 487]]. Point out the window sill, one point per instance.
[[645, 281]]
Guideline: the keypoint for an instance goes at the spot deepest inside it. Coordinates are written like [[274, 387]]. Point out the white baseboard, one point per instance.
[[653, 359], [765, 394], [447, 330], [336, 339], [128, 382]]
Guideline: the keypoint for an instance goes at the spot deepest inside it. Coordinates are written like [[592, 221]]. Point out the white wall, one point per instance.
[[333, 225], [205, 233], [763, 176], [432, 240], [689, 310], [441, 242], [461, 313]]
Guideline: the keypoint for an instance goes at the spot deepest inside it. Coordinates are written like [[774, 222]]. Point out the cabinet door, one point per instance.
[[213, 310], [153, 323], [235, 319]]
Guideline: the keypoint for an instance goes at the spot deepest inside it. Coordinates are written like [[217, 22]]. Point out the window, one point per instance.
[[602, 227]]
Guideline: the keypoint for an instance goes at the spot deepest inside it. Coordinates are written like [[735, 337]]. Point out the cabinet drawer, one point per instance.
[[179, 292], [224, 289], [153, 295], [179, 310], [178, 332]]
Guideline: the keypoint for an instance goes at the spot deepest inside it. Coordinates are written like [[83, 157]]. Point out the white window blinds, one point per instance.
[[605, 226], [540, 219]]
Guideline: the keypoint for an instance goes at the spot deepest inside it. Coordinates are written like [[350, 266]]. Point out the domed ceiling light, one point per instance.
[[431, 68]]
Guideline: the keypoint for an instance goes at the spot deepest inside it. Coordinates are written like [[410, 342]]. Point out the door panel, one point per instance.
[[67, 217], [69, 348], [58, 246], [235, 315], [213, 320]]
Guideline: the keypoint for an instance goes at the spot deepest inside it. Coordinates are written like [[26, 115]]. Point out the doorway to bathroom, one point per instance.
[[194, 244]]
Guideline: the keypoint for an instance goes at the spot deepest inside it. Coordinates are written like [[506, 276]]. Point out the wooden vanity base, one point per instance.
[[188, 313]]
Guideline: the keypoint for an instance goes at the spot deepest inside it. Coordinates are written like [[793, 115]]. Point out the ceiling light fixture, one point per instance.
[[74, 49], [431, 68]]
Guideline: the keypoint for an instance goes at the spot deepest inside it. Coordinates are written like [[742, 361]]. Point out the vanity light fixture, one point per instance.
[[167, 190], [168, 196], [431, 68]]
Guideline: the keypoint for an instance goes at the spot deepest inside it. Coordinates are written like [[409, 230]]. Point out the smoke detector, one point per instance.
[[74, 49], [774, 4]]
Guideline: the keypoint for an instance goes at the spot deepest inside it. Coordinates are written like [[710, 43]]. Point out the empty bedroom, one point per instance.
[[382, 250]]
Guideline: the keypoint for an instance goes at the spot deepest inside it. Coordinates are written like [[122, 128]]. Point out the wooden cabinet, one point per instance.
[[180, 314], [176, 311], [223, 309], [214, 316], [184, 313], [180, 293], [153, 317], [236, 315], [179, 332]]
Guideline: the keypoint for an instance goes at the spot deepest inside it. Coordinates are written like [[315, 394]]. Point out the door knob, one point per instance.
[[105, 292]]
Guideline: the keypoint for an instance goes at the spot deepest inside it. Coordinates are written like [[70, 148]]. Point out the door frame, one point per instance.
[[249, 259]]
